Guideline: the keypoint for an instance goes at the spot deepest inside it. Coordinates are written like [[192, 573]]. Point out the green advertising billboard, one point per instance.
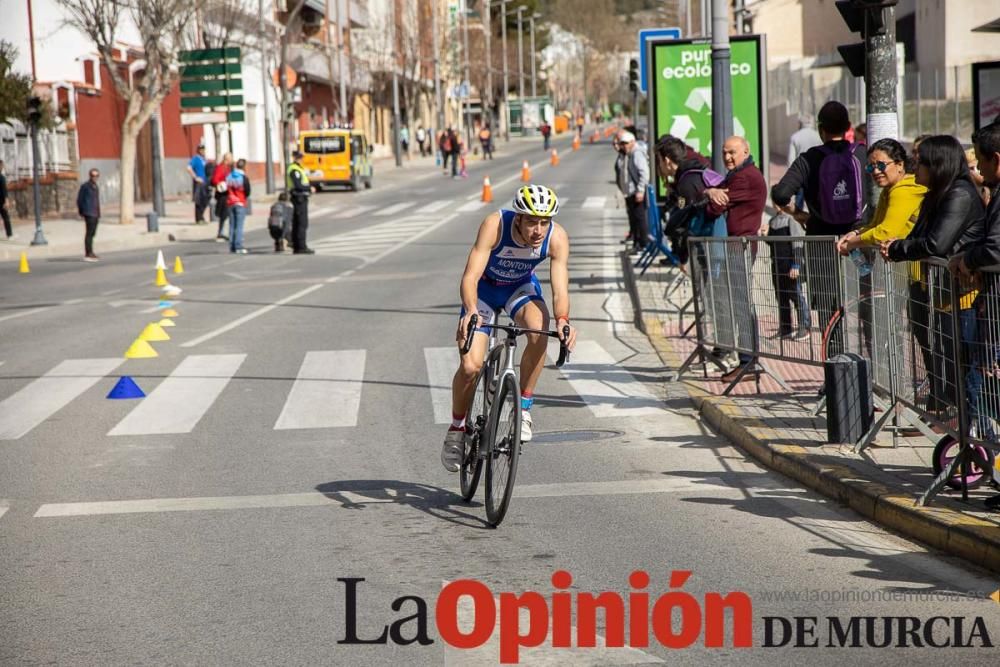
[[681, 93]]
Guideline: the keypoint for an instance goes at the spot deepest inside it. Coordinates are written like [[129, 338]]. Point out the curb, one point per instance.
[[940, 527]]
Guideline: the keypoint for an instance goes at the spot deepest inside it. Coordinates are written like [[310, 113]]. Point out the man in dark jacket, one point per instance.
[[297, 185], [3, 203], [88, 205]]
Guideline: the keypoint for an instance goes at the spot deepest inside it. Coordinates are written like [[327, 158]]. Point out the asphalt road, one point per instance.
[[290, 437]]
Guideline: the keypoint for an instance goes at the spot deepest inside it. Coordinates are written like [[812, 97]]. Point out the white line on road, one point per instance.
[[24, 313], [428, 228], [183, 398], [42, 398], [353, 211], [374, 496], [394, 209], [321, 211], [607, 388], [435, 206], [3, 510], [594, 202], [441, 365], [471, 206], [327, 391]]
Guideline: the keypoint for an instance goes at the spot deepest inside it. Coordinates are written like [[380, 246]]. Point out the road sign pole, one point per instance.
[[154, 140], [722, 87]]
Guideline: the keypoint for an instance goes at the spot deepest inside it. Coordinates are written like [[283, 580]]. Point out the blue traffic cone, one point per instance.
[[126, 388]]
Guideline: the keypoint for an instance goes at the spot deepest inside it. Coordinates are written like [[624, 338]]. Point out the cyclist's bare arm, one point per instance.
[[479, 256], [559, 275]]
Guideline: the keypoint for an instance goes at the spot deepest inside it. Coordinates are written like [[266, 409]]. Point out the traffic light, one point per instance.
[[867, 18], [289, 112], [35, 110], [633, 75]]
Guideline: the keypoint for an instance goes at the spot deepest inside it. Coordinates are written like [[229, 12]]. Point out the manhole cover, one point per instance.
[[574, 436]]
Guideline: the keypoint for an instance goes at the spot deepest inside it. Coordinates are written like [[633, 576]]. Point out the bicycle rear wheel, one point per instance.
[[504, 436], [475, 425]]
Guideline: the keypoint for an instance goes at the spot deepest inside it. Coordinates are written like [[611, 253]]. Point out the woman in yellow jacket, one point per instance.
[[898, 204]]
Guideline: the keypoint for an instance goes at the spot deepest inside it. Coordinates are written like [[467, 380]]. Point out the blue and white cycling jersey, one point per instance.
[[509, 280], [510, 262]]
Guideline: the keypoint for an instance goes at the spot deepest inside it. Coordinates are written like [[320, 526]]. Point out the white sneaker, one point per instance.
[[525, 426], [453, 450]]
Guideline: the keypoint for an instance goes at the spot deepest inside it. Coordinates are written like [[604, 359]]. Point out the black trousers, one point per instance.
[[6, 220], [88, 238], [201, 196], [300, 222], [222, 211], [638, 228]]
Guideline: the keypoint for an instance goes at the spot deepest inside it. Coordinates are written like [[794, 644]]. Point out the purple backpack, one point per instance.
[[840, 195]]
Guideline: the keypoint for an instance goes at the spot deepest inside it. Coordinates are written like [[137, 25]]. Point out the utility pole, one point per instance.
[[268, 150], [340, 67], [520, 60], [487, 29], [722, 88], [157, 155], [506, 85], [534, 82], [466, 85], [438, 103], [396, 148], [34, 118]]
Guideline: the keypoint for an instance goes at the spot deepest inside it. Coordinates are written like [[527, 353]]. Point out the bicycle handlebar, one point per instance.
[[517, 331]]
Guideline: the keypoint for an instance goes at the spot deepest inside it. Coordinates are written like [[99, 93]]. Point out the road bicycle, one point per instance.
[[493, 422]]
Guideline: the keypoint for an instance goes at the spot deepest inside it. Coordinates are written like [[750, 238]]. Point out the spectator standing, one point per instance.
[[237, 192], [455, 142], [579, 125], [88, 205], [741, 197], [404, 139], [546, 131], [218, 183], [687, 169], [803, 139], [830, 175], [279, 222], [422, 140], [633, 177], [3, 203], [200, 193], [787, 260], [297, 185], [444, 145], [486, 141]]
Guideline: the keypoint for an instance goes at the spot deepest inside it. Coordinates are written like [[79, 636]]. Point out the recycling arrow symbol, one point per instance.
[[699, 98]]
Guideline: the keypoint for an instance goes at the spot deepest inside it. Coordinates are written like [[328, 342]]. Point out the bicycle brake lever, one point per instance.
[[473, 321], [563, 350]]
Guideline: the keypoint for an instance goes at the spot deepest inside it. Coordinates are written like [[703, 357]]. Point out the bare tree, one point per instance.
[[163, 28]]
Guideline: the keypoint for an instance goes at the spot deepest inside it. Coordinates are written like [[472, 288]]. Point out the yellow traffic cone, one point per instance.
[[154, 332], [24, 268], [487, 190], [178, 267], [169, 312], [140, 349], [166, 322], [525, 172], [161, 278]]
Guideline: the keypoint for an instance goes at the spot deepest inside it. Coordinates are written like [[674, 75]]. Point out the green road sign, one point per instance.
[[681, 93], [198, 55], [207, 101], [212, 79]]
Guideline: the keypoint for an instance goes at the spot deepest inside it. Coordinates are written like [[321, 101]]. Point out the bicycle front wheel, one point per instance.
[[504, 435], [475, 425]]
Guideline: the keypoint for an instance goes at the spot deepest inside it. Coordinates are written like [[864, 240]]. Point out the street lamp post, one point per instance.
[[487, 25], [506, 85], [534, 81], [465, 81], [439, 116], [520, 57]]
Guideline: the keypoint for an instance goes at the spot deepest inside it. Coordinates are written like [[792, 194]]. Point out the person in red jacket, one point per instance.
[[237, 193], [742, 198], [218, 182]]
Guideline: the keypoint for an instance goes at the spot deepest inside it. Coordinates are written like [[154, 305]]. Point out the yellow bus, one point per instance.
[[336, 157]]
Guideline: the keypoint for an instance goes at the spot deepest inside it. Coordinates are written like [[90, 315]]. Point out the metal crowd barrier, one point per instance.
[[932, 339]]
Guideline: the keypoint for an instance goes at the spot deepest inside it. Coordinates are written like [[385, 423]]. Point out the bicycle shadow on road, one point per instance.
[[360, 494]]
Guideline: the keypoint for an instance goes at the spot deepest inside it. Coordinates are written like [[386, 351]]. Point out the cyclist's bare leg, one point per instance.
[[463, 384], [533, 315]]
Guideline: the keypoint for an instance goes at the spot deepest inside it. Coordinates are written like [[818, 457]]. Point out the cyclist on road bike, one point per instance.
[[500, 275]]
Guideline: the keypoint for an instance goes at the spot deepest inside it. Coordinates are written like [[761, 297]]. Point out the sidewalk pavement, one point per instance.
[[779, 430], [65, 235]]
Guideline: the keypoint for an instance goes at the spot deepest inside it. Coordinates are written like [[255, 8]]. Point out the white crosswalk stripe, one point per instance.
[[42, 398], [441, 365], [183, 398], [327, 391], [371, 240], [394, 209], [352, 212], [435, 206], [594, 202], [473, 205], [608, 389]]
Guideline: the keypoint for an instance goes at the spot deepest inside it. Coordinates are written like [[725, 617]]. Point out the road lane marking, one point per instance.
[[435, 206], [353, 211], [377, 495], [43, 397], [471, 206], [608, 389], [326, 392], [24, 313], [427, 228], [594, 202], [394, 209], [3, 510], [321, 211], [441, 365], [183, 398]]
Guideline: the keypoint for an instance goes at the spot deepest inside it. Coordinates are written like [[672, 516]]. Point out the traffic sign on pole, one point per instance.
[[211, 86], [652, 33]]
